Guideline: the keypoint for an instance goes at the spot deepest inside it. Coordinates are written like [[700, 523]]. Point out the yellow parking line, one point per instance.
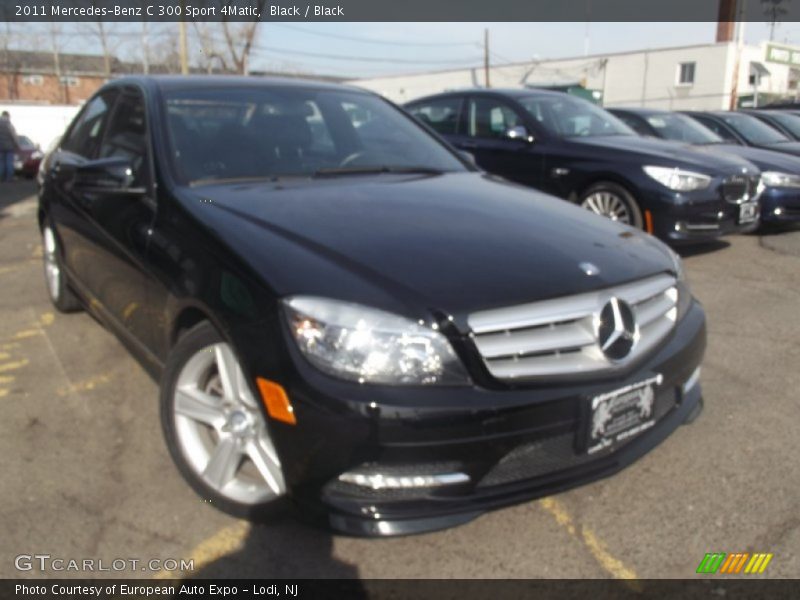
[[12, 366], [85, 385], [6, 379], [612, 565], [4, 355], [47, 318], [3, 393], [20, 335], [9, 346], [224, 542]]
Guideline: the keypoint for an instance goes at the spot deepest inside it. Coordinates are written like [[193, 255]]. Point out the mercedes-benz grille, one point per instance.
[[575, 334]]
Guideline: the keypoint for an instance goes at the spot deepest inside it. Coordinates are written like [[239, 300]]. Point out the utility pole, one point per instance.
[[738, 61], [183, 48], [486, 57], [145, 49]]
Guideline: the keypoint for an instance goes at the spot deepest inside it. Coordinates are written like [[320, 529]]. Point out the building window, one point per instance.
[[33, 80], [70, 81], [794, 77], [686, 73]]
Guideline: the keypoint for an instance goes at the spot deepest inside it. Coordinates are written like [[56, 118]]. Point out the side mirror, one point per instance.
[[468, 156], [106, 176], [519, 133]]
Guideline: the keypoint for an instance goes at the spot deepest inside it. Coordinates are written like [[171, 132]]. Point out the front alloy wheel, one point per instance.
[[215, 429], [58, 290], [613, 202]]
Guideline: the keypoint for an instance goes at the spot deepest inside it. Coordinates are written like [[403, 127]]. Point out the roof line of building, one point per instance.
[[523, 63]]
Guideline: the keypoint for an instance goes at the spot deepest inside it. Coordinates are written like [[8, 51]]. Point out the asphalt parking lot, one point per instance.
[[85, 473]]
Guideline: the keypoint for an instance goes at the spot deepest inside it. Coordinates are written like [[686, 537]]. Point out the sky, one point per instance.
[[373, 49]]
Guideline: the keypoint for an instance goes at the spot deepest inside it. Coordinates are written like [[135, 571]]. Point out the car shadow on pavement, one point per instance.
[[701, 248], [288, 549], [15, 191]]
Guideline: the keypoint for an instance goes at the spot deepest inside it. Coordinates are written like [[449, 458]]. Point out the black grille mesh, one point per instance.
[[553, 454]]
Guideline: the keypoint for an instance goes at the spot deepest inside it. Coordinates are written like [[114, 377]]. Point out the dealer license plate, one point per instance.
[[622, 413], [748, 212]]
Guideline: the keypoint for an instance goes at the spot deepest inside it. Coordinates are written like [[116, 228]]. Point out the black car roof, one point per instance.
[[508, 92], [638, 110], [185, 82]]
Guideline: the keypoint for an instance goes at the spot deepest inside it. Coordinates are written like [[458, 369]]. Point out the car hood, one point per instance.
[[452, 243], [786, 147], [668, 153], [766, 160]]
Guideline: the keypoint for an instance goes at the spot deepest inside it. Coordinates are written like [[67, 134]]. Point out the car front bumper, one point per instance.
[[513, 443], [695, 217], [780, 205]]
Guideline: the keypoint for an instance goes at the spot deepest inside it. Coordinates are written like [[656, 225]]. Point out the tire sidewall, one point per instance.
[[67, 301], [194, 340], [623, 194]]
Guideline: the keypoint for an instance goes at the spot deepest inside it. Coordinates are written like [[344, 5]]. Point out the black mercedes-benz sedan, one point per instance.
[[780, 172], [344, 313], [573, 149]]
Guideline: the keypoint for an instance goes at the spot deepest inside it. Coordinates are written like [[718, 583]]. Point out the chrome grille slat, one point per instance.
[[654, 308], [567, 335], [558, 337]]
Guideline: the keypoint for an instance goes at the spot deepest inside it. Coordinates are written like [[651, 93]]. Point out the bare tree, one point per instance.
[[209, 52], [239, 39]]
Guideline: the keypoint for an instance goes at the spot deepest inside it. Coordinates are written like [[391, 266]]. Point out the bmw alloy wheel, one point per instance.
[[609, 205]]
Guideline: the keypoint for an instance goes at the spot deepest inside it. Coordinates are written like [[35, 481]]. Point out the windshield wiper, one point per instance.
[[372, 170]]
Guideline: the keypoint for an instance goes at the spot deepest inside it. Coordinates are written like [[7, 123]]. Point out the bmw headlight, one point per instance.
[[363, 344], [778, 179], [678, 180]]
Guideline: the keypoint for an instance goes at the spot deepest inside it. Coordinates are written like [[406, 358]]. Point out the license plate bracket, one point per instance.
[[615, 416], [748, 212]]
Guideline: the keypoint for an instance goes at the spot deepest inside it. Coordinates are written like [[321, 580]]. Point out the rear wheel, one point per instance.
[[62, 297], [214, 428], [614, 202]]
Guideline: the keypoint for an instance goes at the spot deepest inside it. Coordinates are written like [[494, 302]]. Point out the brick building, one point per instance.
[[34, 77]]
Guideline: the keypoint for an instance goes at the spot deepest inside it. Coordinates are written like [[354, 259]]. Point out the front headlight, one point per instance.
[[778, 179], [677, 179], [363, 344]]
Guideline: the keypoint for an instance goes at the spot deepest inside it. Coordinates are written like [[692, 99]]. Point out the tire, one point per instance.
[[215, 431], [62, 297], [614, 202]]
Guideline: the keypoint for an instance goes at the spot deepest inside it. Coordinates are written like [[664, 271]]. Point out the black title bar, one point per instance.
[[399, 10]]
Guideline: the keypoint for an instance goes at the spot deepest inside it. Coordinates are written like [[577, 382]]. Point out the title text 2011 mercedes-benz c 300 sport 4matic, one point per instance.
[[344, 313]]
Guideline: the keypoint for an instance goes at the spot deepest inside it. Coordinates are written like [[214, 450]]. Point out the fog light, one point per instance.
[[379, 481], [692, 381], [778, 211]]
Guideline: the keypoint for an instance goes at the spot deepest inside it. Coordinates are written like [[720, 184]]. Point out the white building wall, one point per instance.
[[645, 78], [43, 124]]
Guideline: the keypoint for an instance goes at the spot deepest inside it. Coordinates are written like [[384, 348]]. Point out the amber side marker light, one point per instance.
[[648, 221], [276, 401]]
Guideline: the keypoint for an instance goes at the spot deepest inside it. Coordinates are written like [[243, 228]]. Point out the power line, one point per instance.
[[368, 41]]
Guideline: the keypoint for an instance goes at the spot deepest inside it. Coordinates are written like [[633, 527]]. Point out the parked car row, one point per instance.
[[682, 177], [780, 168]]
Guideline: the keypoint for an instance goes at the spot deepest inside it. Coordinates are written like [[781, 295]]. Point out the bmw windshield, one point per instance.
[[245, 133], [753, 130], [566, 117], [672, 126]]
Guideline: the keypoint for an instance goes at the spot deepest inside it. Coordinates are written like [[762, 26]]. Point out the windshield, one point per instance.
[[565, 117], [681, 128], [753, 130], [245, 133], [790, 122]]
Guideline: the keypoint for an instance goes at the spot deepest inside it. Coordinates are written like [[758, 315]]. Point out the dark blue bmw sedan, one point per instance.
[[575, 150], [780, 172]]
